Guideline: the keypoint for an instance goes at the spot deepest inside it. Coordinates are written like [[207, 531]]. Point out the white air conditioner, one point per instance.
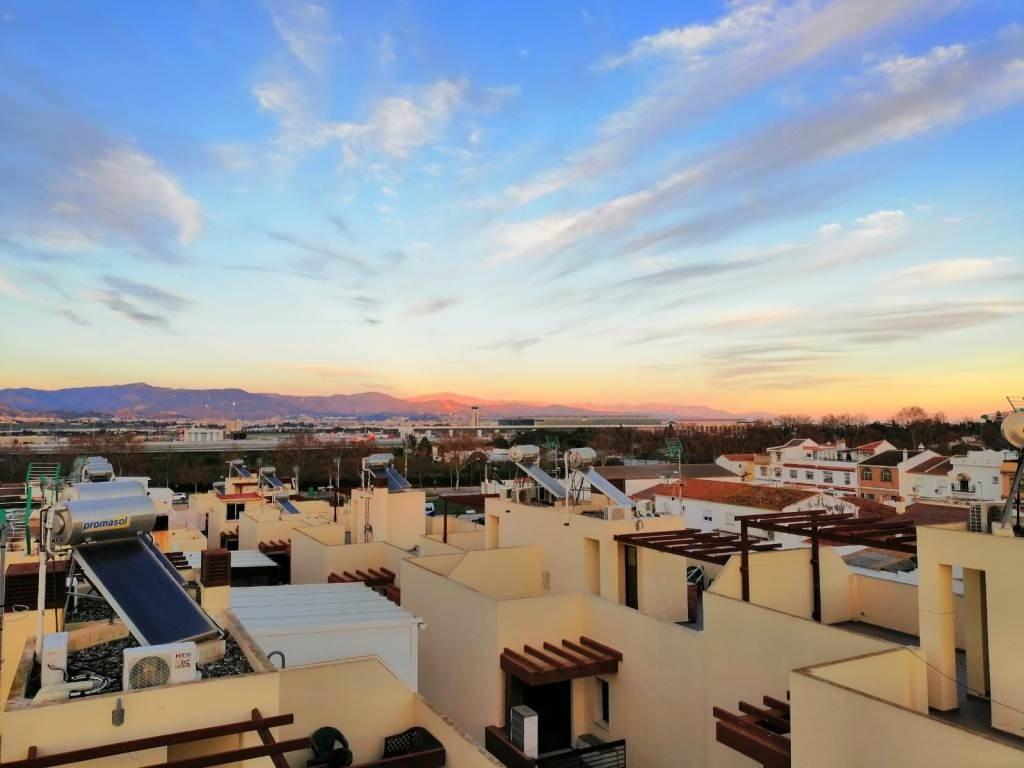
[[523, 730], [157, 665], [614, 513]]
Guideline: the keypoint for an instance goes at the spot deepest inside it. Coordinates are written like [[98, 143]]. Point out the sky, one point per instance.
[[751, 205]]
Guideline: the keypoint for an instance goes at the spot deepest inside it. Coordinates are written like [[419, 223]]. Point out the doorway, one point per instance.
[[553, 704]]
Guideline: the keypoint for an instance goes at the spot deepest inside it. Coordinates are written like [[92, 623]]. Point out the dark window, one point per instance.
[[865, 474], [234, 510], [792, 473], [809, 475], [632, 598], [606, 709], [886, 476]]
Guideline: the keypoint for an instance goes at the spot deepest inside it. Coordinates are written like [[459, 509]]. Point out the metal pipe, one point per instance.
[[1012, 492], [815, 574], [745, 559]]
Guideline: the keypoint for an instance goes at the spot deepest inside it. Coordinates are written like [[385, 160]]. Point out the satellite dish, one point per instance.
[[1013, 429]]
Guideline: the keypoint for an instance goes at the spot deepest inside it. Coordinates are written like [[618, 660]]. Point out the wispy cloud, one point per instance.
[[322, 255], [873, 115], [305, 27], [148, 293], [396, 126], [957, 270], [752, 44], [69, 187], [9, 289], [431, 307], [117, 303]]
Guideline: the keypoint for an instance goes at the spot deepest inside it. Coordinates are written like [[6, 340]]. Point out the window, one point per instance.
[[809, 475], [870, 496], [778, 473], [707, 518], [604, 714], [886, 475], [826, 477], [846, 478], [632, 598], [792, 474], [865, 474], [234, 510], [764, 471]]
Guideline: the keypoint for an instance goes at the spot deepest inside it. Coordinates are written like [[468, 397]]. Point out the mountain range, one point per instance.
[[146, 401]]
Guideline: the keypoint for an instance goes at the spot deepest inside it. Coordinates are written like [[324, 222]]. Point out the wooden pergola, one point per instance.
[[372, 577], [843, 529], [715, 547], [556, 663], [760, 733]]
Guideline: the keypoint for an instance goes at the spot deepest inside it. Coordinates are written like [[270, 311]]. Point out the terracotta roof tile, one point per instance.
[[744, 494]]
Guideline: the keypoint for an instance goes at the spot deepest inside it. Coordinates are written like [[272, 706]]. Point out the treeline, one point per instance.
[[320, 463]]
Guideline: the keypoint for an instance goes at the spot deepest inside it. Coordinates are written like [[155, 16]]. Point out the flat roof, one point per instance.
[[297, 609], [242, 558]]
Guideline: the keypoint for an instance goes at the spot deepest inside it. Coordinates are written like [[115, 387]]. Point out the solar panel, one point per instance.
[[395, 480], [545, 480], [286, 504], [136, 580], [602, 484], [273, 481]]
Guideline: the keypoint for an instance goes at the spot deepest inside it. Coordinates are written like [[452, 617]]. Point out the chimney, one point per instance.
[[901, 505]]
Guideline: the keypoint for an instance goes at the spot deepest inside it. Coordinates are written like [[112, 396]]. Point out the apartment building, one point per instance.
[[590, 623], [886, 476], [828, 467]]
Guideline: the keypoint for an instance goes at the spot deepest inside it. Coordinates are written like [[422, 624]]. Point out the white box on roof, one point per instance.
[[314, 623]]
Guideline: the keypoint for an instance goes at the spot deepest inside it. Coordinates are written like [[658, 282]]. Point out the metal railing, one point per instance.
[[611, 754]]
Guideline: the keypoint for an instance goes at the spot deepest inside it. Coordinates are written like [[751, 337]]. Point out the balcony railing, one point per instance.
[[968, 491], [611, 754]]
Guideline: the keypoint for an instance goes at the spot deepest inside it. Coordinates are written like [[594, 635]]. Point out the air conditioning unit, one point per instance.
[[157, 665], [523, 730], [614, 513]]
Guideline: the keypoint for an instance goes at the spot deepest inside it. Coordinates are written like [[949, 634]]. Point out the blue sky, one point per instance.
[[754, 205]]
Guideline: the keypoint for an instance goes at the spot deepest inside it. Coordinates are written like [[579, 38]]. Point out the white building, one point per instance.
[[740, 464], [202, 435], [929, 480], [829, 467], [975, 476]]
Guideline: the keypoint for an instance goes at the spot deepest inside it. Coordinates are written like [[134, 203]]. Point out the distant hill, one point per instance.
[[143, 400]]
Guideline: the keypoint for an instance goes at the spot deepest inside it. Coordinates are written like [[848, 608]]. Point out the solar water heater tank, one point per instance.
[[378, 460], [524, 454], [579, 458], [87, 520]]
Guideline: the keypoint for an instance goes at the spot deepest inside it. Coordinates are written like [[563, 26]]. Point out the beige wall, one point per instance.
[[781, 580], [898, 677], [63, 726], [457, 658], [314, 561], [836, 727], [464, 540], [562, 537], [1000, 557], [397, 518], [501, 574]]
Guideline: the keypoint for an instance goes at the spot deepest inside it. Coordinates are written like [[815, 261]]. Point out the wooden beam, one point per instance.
[[557, 663], [268, 738], [148, 742], [767, 716], [617, 655], [236, 755]]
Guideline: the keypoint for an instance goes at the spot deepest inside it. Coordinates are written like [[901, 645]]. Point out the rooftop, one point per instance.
[[889, 458], [654, 471], [936, 465], [745, 495]]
